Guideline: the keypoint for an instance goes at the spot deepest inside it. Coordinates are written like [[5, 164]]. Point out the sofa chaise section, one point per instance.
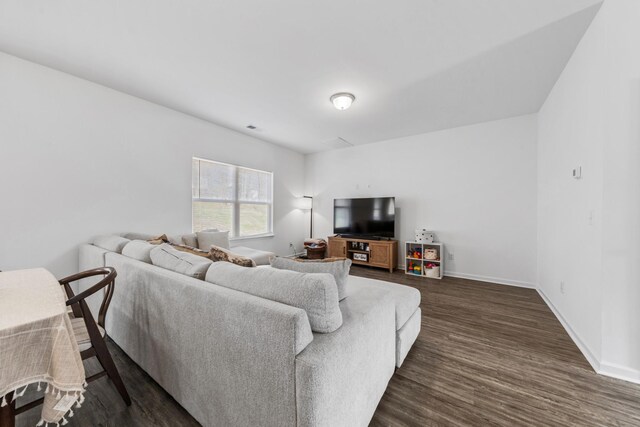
[[341, 377], [408, 316]]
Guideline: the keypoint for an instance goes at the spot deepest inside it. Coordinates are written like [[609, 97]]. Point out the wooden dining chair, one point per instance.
[[89, 335]]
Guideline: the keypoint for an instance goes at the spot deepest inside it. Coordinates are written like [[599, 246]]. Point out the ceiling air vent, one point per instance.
[[337, 143]]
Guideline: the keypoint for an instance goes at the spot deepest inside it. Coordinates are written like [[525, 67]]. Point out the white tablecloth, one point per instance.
[[37, 345]]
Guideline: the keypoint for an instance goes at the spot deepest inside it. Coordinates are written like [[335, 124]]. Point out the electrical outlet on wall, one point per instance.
[[562, 287], [577, 172], [450, 257]]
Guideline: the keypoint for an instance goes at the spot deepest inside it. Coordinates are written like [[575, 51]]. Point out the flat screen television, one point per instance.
[[367, 217]]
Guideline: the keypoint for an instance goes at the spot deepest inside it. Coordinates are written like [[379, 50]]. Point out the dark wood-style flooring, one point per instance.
[[487, 355]]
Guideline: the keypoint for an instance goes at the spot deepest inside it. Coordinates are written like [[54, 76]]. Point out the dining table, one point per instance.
[[37, 348]]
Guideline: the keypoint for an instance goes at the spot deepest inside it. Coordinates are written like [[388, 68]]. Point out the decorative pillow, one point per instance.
[[159, 240], [190, 250], [190, 240], [315, 293], [175, 239], [138, 249], [337, 267], [206, 239], [188, 264], [111, 243], [220, 254]]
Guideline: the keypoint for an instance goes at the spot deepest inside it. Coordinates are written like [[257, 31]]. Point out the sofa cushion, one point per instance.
[[206, 239], [190, 240], [185, 239], [258, 256], [337, 267], [405, 298], [181, 262], [138, 249], [111, 243], [407, 335], [138, 236], [315, 293], [217, 253]]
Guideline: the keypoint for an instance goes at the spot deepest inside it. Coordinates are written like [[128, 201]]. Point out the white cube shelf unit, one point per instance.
[[415, 263]]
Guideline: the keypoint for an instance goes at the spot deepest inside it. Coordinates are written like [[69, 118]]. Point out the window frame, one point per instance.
[[235, 220]]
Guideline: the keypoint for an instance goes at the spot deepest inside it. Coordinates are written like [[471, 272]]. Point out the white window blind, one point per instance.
[[233, 198]]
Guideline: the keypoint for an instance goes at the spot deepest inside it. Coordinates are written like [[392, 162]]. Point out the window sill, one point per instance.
[[257, 236]]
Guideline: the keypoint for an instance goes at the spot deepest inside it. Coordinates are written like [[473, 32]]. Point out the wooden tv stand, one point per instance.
[[378, 253]]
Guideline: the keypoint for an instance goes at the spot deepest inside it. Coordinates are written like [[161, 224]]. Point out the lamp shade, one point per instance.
[[305, 203]]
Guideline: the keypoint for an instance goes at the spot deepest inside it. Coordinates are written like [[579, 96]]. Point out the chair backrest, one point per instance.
[[78, 303]]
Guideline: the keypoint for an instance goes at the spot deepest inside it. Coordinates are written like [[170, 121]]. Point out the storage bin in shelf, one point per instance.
[[418, 262]]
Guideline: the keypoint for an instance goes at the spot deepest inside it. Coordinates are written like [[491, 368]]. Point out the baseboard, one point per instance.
[[498, 280], [620, 372], [488, 279], [603, 368], [582, 346]]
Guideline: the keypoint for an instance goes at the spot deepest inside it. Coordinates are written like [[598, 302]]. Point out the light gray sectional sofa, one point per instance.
[[237, 349]]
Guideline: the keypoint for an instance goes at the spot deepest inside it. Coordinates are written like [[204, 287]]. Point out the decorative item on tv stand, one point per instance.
[[424, 257]]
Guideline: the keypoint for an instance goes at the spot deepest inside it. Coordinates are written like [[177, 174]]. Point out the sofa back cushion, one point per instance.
[[182, 239], [315, 293], [138, 236], [111, 243], [337, 267], [181, 262], [138, 249]]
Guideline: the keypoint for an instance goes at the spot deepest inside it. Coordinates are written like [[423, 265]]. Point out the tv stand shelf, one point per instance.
[[378, 253]]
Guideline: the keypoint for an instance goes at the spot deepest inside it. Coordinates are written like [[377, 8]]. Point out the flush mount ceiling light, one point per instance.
[[342, 100]]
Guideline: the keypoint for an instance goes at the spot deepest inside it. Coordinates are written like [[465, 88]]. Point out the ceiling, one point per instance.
[[414, 66]]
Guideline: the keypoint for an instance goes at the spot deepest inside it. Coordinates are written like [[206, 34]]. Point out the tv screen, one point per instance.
[[372, 217]]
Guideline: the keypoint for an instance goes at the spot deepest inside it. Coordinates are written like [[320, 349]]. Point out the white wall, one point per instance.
[[590, 228], [570, 134], [78, 159], [474, 185]]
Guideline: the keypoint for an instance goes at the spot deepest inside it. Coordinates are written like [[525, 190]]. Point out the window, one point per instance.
[[229, 197]]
